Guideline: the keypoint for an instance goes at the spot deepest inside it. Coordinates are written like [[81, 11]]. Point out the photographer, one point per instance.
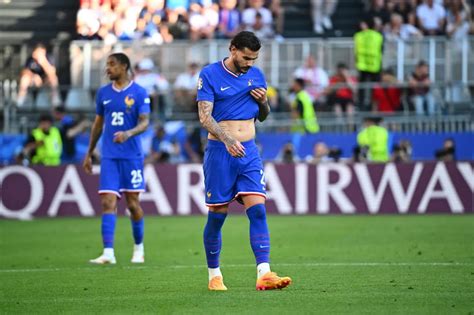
[[448, 152]]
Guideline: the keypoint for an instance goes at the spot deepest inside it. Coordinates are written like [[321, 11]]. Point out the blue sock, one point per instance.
[[138, 228], [212, 238], [108, 229], [259, 236]]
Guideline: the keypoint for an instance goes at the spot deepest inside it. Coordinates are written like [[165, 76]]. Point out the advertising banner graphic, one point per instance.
[[327, 188]]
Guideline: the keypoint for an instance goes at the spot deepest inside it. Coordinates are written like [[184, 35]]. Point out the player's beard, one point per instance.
[[239, 68]]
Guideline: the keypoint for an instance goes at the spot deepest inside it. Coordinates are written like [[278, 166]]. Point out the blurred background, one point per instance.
[[52, 57]]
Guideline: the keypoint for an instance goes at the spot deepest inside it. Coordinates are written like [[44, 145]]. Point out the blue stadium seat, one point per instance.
[[79, 100]]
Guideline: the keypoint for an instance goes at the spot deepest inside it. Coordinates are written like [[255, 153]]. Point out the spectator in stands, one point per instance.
[[401, 152], [321, 12], [374, 138], [177, 13], [420, 82], [274, 101], [163, 150], [154, 83], [195, 145], [315, 78], [368, 48], [152, 22], [44, 145], [340, 91], [458, 20], [386, 97], [278, 14], [38, 71], [88, 20], [448, 152], [230, 19], [378, 14], [406, 8], [431, 17], [302, 109], [203, 20], [69, 129], [258, 19], [185, 88], [397, 29]]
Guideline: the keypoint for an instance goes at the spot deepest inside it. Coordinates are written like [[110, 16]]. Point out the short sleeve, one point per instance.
[[99, 106], [144, 105], [205, 91]]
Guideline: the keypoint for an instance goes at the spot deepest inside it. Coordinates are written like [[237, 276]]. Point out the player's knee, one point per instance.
[[108, 205], [134, 206], [219, 209], [258, 211]]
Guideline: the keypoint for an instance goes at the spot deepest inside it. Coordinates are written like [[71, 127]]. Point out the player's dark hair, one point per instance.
[[244, 40], [122, 59]]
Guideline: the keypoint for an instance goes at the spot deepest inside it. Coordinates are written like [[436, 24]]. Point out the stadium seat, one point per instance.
[[78, 100], [43, 100]]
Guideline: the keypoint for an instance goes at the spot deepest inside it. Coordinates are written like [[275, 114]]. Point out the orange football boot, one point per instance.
[[217, 284], [271, 281]]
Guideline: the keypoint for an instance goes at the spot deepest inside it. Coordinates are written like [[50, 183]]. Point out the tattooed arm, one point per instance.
[[234, 147]]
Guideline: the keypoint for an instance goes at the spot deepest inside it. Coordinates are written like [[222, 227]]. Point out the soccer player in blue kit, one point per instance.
[[231, 95], [122, 113]]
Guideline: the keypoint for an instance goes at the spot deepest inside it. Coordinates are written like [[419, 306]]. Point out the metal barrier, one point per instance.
[[448, 60]]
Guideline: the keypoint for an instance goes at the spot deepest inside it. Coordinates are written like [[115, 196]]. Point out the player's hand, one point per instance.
[[87, 164], [235, 148], [260, 95], [121, 136]]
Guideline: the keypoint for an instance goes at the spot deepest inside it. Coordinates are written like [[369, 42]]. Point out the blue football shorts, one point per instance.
[[121, 175], [227, 178]]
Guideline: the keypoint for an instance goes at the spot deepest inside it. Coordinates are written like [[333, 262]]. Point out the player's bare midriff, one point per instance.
[[240, 130]]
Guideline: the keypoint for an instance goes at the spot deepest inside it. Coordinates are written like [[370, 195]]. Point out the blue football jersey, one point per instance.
[[120, 109], [230, 92]]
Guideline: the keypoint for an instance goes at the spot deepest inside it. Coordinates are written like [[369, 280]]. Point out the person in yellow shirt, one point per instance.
[[302, 110], [374, 138], [44, 145], [368, 50]]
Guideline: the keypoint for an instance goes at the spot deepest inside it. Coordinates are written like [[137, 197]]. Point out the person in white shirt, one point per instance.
[[396, 29], [431, 17], [155, 84], [184, 89], [316, 79], [258, 19]]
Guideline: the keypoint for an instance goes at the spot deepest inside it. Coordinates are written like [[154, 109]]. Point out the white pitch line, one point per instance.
[[322, 264]]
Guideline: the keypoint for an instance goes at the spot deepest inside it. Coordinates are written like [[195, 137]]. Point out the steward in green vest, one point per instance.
[[46, 143], [375, 138], [368, 46], [302, 110]]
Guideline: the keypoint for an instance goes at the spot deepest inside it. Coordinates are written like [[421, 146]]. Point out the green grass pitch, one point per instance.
[[339, 265]]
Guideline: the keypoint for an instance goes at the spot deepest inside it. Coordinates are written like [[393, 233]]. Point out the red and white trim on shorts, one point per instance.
[[113, 192], [218, 204], [242, 193], [131, 190], [246, 193]]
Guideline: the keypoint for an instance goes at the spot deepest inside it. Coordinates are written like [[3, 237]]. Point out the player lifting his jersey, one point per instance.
[[122, 114], [231, 95]]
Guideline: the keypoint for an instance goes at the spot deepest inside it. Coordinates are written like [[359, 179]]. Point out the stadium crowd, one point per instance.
[[160, 21]]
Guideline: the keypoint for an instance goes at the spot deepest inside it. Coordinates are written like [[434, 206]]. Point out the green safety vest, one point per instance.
[[376, 138], [368, 50], [310, 121], [50, 152]]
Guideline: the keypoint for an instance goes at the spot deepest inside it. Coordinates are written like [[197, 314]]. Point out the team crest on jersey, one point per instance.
[[199, 85], [250, 82], [129, 101]]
